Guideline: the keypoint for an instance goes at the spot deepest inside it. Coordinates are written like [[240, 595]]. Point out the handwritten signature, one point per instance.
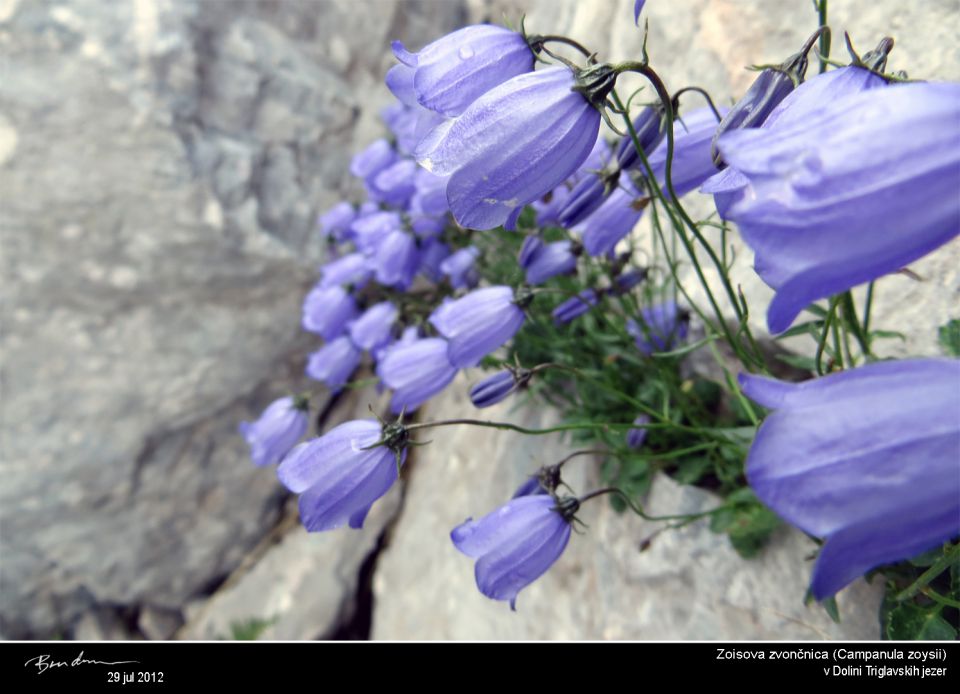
[[44, 663]]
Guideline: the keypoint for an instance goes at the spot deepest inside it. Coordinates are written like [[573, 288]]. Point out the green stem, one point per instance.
[[824, 48], [851, 320], [585, 426], [940, 599], [822, 344], [941, 565]]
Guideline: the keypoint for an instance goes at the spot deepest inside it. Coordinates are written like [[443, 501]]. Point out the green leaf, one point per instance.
[[887, 335], [816, 310], [250, 629], [830, 606], [797, 361], [910, 622], [748, 522], [928, 558], [686, 349], [810, 327], [949, 338], [690, 470]]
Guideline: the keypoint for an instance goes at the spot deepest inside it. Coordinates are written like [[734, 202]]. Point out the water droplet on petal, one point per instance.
[[465, 52]]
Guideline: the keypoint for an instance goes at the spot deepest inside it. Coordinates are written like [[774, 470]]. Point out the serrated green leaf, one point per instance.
[[910, 622], [949, 337]]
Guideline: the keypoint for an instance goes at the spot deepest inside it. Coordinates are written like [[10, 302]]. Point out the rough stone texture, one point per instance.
[[708, 43], [162, 164], [689, 584]]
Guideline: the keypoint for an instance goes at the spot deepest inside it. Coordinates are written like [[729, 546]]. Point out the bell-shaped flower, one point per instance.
[[396, 260], [352, 269], [692, 163], [862, 188], [334, 363], [651, 131], [370, 231], [515, 544], [340, 474], [327, 310], [637, 435], [454, 71], [372, 329], [394, 185], [575, 306], [336, 221], [637, 8], [496, 387], [550, 260], [377, 157], [273, 435], [415, 371], [664, 326], [866, 459], [807, 100], [515, 143], [614, 219], [459, 268], [432, 255], [477, 324]]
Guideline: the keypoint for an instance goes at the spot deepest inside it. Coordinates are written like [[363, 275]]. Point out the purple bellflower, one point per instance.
[[459, 267], [351, 269], [637, 8], [372, 330], [396, 260], [550, 260], [327, 310], [692, 163], [613, 220], [478, 323], [666, 326], [515, 544], [340, 474], [649, 126], [516, 143], [496, 387], [575, 306], [454, 71], [432, 255], [395, 184], [335, 221], [378, 156], [729, 186], [770, 88], [866, 458], [636, 437], [334, 363], [416, 371], [280, 427], [861, 189]]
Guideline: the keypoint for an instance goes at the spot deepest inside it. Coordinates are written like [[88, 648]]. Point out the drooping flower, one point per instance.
[[334, 363], [549, 260], [575, 306], [351, 269], [372, 329], [280, 426], [516, 143], [377, 156], [371, 230], [868, 459], [637, 8], [692, 163], [478, 323], [636, 437], [335, 221], [664, 326], [415, 371], [432, 255], [340, 475], [454, 71], [396, 260], [770, 88], [612, 221], [459, 267], [515, 544], [327, 310], [395, 184], [857, 190], [729, 185], [496, 387]]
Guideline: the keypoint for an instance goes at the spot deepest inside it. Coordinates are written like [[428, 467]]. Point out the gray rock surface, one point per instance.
[[689, 583], [162, 165]]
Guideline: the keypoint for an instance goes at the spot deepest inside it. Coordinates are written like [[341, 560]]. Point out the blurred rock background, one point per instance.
[[162, 163]]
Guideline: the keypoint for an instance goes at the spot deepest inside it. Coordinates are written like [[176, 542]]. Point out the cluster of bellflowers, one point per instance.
[[833, 180]]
